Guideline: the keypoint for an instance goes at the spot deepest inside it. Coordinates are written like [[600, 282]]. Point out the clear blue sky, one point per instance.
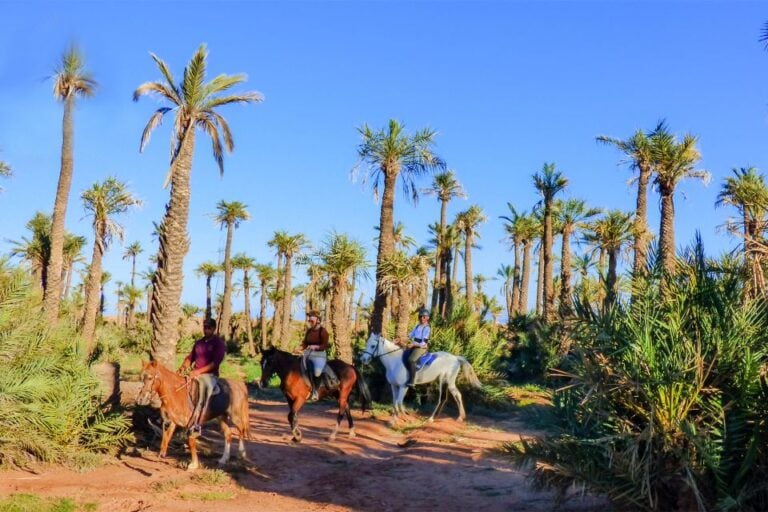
[[507, 85]]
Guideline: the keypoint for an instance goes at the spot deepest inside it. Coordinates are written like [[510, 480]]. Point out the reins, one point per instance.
[[376, 354]]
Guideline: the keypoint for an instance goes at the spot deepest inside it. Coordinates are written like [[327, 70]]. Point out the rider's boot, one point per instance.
[[314, 380]]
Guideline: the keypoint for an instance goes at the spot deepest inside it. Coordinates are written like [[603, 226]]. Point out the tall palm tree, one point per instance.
[[548, 182], [277, 241], [340, 256], [103, 201], [445, 187], [130, 253], [572, 214], [131, 295], [242, 261], [468, 221], [230, 215], [288, 246], [194, 103], [402, 273], [70, 81], [266, 275], [611, 233], [673, 162], [528, 230], [639, 152], [747, 192], [208, 269], [389, 154]]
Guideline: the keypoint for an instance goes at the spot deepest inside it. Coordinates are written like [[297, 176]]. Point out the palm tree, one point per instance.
[[528, 230], [277, 241], [468, 222], [70, 81], [230, 215], [511, 227], [208, 269], [131, 252], [639, 152], [507, 273], [747, 192], [402, 273], [148, 276], [673, 161], [242, 261], [571, 213], [611, 233], [581, 265], [340, 256], [548, 182], [131, 295], [103, 201], [291, 246], [266, 275], [388, 154], [105, 278], [445, 187], [194, 103], [73, 246]]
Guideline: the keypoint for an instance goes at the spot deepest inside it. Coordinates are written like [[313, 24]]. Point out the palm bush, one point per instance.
[[664, 404], [49, 400]]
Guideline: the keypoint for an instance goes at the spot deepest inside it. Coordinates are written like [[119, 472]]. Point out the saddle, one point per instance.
[[328, 376], [424, 361], [193, 388]]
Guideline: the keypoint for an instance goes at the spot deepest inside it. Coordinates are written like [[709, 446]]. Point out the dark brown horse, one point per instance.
[[230, 406], [296, 389]]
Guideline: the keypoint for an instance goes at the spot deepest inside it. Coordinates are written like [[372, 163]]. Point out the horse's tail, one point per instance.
[[362, 390], [469, 373]]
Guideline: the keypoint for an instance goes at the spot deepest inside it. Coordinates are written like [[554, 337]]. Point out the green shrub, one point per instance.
[[49, 400], [665, 401]]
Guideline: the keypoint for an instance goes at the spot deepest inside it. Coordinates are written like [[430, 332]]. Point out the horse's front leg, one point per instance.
[[227, 432], [293, 418], [167, 435], [192, 440]]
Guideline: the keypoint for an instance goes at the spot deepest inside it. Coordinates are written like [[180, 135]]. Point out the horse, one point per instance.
[[229, 406], [296, 389], [445, 369]]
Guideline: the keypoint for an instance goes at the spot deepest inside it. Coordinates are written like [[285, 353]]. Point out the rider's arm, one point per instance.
[[187, 360], [323, 344], [219, 349]]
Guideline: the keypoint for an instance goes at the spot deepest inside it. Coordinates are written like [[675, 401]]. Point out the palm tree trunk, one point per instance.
[[641, 224], [340, 320], [540, 281], [225, 329], [439, 284], [287, 301], [667, 232], [522, 305], [263, 315], [403, 311], [133, 272], [351, 296], [448, 285], [52, 294], [468, 270], [208, 306], [277, 317], [549, 295], [248, 327], [386, 248], [455, 270], [513, 301], [92, 295], [565, 273], [611, 291], [174, 244], [150, 291]]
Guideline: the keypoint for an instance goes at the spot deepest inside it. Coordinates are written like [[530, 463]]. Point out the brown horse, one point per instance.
[[230, 406], [296, 389]]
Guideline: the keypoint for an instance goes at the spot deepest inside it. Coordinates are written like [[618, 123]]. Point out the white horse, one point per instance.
[[445, 369]]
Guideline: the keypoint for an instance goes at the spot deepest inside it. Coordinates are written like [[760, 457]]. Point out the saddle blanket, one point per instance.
[[424, 361]]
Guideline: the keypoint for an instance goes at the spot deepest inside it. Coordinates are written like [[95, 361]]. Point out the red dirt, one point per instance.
[[444, 466]]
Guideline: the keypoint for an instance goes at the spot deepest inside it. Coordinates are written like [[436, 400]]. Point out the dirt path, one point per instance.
[[447, 466]]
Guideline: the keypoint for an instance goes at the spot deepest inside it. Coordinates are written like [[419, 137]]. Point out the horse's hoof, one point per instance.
[[352, 434], [192, 467], [460, 419], [431, 420]]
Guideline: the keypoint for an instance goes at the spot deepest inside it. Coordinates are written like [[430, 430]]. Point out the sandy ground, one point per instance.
[[446, 465]]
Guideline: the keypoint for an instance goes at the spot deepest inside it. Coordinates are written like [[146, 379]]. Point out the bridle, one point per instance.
[[375, 355]]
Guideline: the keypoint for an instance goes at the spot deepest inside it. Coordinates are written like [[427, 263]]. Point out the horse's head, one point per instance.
[[150, 379], [372, 348], [267, 365]]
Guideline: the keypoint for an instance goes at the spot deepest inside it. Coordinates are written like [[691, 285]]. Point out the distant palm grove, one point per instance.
[[656, 357]]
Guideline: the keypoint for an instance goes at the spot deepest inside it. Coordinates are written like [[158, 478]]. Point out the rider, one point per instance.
[[206, 355], [314, 345], [419, 338]]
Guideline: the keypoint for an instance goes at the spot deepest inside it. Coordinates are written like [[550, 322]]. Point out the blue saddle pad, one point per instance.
[[425, 360]]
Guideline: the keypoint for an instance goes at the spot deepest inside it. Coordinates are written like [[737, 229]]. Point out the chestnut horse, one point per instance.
[[230, 406], [296, 389]]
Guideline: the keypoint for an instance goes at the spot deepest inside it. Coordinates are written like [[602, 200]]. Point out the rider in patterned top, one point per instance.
[[314, 345], [418, 341]]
